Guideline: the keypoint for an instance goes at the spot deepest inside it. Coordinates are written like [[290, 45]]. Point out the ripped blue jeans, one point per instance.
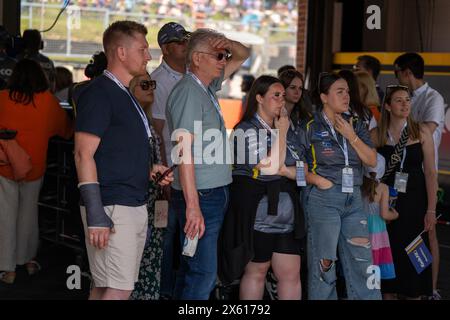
[[337, 221]]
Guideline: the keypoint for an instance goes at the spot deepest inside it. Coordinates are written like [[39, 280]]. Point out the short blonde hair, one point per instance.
[[367, 89], [118, 30]]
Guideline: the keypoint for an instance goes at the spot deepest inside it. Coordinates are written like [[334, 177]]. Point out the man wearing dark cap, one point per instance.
[[172, 38]]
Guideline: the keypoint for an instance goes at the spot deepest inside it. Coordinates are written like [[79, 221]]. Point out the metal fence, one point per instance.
[[78, 33]]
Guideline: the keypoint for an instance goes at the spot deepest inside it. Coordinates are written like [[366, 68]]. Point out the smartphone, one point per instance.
[[160, 177], [7, 134]]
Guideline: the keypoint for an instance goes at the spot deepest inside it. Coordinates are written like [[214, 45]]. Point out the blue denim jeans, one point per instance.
[[167, 272], [335, 219], [197, 275]]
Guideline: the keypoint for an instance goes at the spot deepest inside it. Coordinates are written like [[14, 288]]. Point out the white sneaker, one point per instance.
[[436, 295]]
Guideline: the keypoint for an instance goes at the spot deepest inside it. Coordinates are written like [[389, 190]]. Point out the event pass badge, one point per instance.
[[347, 180], [401, 181], [300, 174]]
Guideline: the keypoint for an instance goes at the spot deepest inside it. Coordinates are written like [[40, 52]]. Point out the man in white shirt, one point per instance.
[[172, 39], [428, 107]]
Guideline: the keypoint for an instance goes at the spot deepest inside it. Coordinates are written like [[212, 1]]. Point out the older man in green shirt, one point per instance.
[[200, 196]]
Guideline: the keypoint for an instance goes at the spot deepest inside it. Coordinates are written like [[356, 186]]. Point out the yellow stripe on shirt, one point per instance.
[[313, 151]]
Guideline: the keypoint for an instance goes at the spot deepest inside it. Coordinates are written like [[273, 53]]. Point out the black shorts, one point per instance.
[[265, 244]]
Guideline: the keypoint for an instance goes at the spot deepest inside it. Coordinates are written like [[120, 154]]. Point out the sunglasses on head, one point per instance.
[[392, 87], [390, 90], [220, 55], [147, 84]]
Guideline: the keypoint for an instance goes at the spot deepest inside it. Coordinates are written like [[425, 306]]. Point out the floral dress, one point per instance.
[[147, 287]]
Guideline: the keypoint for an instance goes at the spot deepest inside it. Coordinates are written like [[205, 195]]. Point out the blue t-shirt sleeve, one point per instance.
[[184, 109], [94, 113]]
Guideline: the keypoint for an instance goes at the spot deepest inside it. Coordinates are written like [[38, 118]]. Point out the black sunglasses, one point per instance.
[[392, 87], [147, 84], [220, 55]]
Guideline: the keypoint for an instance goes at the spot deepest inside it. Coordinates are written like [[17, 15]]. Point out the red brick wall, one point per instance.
[[301, 34]]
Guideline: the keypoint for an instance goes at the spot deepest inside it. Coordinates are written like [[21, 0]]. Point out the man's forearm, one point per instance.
[[187, 180], [86, 169], [240, 52]]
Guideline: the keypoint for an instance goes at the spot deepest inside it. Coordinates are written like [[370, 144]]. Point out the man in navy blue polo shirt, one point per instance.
[[112, 159]]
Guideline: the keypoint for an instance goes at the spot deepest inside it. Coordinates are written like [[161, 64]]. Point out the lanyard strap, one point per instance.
[[293, 153], [344, 148], [211, 96], [135, 103], [265, 125], [404, 152], [404, 149]]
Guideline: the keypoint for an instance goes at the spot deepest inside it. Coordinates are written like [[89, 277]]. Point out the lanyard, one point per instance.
[[135, 103], [404, 149], [265, 125], [293, 153], [344, 148], [211, 96]]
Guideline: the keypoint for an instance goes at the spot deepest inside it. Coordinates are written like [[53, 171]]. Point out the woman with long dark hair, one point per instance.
[[296, 102], [29, 108], [337, 147], [264, 225]]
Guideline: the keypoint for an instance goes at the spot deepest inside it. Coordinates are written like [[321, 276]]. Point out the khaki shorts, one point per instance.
[[117, 265]]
